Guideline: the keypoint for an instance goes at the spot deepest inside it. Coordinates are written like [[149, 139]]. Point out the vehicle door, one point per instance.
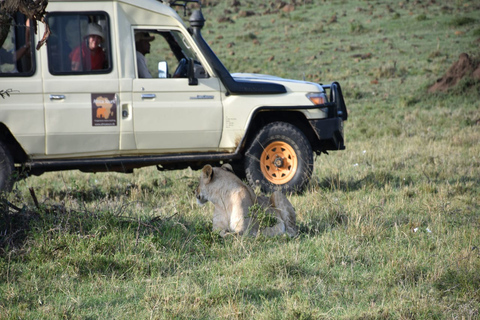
[[80, 85], [21, 101], [169, 113]]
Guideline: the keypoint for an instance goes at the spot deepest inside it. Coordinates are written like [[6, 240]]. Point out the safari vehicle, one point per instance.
[[64, 108]]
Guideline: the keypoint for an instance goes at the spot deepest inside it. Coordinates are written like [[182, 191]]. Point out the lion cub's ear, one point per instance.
[[207, 172], [227, 167]]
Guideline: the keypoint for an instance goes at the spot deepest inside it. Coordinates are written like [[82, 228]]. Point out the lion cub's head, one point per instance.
[[208, 186]]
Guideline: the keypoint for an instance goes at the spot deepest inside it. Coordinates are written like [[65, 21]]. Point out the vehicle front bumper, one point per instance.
[[329, 133]]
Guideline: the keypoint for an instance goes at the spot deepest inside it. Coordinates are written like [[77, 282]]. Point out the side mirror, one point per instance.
[[163, 69]]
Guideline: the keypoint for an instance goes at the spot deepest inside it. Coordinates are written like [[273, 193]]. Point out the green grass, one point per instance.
[[389, 228]]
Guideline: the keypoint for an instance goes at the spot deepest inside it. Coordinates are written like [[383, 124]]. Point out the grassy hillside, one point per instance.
[[389, 227]]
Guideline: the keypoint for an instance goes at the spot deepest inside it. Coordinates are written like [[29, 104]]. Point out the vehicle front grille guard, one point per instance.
[[336, 104]]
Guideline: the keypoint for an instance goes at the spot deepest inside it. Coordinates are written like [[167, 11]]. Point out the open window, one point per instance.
[[16, 52], [79, 43], [165, 54]]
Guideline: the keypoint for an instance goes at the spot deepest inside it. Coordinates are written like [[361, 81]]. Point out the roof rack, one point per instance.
[[177, 2], [182, 3]]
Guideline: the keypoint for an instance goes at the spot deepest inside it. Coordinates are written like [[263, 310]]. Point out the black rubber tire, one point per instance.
[[292, 136], [6, 169], [239, 169]]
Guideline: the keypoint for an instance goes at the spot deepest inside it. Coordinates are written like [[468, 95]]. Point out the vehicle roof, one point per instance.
[[126, 1], [159, 6], [147, 4]]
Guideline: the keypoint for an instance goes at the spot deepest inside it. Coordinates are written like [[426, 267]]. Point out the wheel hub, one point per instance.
[[278, 162]]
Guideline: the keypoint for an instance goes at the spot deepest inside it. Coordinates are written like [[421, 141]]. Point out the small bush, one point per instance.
[[462, 21], [246, 37], [421, 17], [357, 28], [467, 85], [265, 219]]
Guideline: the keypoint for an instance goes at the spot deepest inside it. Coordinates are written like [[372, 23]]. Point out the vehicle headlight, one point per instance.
[[317, 98]]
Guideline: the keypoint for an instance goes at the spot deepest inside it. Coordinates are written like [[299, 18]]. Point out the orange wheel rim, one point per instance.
[[278, 162]]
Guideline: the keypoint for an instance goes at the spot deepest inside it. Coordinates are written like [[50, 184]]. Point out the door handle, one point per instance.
[[57, 97], [148, 96]]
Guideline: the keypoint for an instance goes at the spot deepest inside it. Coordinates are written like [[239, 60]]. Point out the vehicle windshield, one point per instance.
[[187, 50]]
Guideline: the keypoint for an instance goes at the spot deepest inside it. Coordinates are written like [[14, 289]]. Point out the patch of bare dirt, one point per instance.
[[464, 67]]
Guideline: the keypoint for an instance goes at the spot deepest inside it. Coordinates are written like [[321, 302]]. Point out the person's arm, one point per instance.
[[76, 60], [142, 66], [22, 51]]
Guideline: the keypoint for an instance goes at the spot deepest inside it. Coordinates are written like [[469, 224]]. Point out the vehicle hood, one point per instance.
[[290, 84]]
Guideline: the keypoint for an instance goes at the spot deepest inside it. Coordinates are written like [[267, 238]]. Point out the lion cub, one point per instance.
[[233, 198]]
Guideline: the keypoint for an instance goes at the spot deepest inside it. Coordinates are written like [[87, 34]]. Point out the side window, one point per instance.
[[16, 51], [164, 54], [79, 43]]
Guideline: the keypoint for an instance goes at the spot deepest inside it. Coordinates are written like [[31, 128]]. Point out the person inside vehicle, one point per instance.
[[89, 55], [21, 57], [9, 57], [142, 45]]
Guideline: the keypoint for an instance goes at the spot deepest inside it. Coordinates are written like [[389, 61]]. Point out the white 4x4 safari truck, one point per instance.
[[79, 102]]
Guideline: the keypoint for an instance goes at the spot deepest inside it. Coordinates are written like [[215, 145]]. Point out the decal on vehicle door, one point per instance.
[[104, 109]]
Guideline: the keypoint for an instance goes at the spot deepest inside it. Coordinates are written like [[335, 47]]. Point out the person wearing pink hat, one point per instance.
[[89, 55]]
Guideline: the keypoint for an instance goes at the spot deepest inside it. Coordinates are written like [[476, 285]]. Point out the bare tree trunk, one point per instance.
[[5, 21], [33, 9]]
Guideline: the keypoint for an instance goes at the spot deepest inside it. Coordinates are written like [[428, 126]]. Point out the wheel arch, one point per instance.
[[6, 136], [264, 116]]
